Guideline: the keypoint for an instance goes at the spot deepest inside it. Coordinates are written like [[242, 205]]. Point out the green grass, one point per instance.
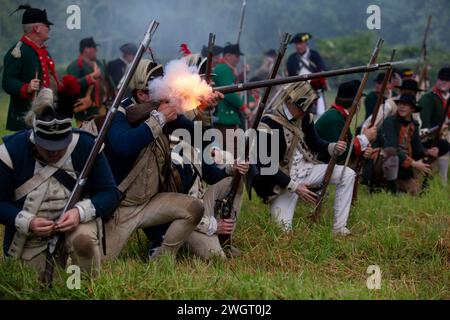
[[409, 238]]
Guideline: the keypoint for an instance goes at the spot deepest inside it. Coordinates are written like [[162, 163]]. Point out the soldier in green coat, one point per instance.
[[90, 73], [330, 124], [28, 66], [433, 105], [227, 112]]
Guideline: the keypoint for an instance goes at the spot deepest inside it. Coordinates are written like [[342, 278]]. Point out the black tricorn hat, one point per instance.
[[33, 15], [444, 74], [232, 49], [410, 99], [271, 53], [216, 51], [409, 84], [129, 48], [301, 37], [380, 78], [348, 90], [88, 43]]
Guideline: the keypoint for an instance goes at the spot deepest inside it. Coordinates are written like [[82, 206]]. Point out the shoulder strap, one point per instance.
[[4, 156], [45, 173]]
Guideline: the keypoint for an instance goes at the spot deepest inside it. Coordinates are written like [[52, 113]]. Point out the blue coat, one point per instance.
[[125, 142], [100, 186], [294, 59]]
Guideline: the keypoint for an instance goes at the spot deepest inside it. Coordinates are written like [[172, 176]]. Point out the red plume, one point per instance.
[[70, 86], [185, 50]]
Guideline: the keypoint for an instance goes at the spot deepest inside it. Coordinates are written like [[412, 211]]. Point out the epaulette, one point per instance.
[[16, 53]]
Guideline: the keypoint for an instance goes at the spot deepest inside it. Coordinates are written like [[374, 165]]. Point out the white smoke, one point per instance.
[[181, 85]]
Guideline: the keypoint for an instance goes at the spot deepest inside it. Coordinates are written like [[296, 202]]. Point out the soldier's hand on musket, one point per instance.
[[97, 72], [33, 85], [370, 133], [368, 152], [42, 227], [225, 226], [340, 147], [433, 152], [211, 100], [423, 167], [305, 194], [69, 221], [168, 111], [241, 167]]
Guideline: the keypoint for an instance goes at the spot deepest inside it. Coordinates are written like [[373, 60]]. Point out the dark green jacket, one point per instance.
[[389, 132], [329, 128], [227, 111], [432, 111], [16, 74], [81, 70]]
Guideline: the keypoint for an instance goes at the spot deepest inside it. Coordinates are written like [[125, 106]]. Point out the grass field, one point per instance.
[[408, 238]]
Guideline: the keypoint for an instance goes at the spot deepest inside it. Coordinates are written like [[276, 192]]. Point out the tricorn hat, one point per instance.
[[33, 15], [232, 49], [88, 43], [129, 48], [301, 37], [409, 84], [410, 99], [444, 74]]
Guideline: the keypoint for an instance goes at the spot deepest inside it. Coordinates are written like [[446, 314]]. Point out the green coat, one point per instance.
[[329, 128], [432, 111], [227, 111], [17, 73], [81, 71]]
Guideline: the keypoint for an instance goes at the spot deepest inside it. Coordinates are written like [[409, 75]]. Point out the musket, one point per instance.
[[423, 76], [211, 42], [305, 77], [431, 132], [56, 243], [241, 21], [225, 206], [376, 110], [244, 62], [344, 132]]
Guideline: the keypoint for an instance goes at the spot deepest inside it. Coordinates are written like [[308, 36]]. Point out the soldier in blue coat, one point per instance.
[[38, 170]]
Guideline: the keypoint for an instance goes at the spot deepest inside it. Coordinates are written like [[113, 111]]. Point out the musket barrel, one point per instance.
[[324, 74]]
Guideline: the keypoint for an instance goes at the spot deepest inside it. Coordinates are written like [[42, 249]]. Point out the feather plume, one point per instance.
[[185, 50]]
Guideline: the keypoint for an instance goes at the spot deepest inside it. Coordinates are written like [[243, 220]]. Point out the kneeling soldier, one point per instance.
[[38, 169], [402, 151], [299, 170], [138, 151]]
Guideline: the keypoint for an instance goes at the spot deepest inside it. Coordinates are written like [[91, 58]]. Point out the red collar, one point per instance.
[[341, 109], [439, 94], [32, 44], [46, 63]]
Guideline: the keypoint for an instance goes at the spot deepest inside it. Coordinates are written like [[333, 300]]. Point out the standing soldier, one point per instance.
[[28, 66], [306, 61], [38, 169], [91, 76], [433, 105], [117, 68]]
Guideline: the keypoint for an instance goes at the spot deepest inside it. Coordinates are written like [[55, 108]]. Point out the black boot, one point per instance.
[[392, 185]]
